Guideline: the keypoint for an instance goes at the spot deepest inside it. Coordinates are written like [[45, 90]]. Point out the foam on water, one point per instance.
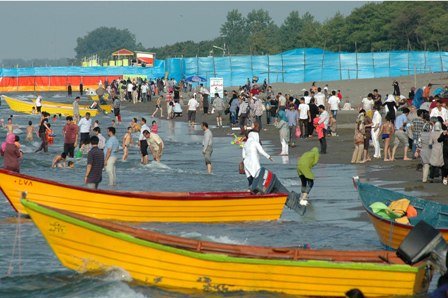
[[225, 239]]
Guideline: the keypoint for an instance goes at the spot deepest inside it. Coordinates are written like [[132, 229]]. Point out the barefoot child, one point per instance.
[[29, 132], [154, 127], [158, 107], [387, 132], [127, 140]]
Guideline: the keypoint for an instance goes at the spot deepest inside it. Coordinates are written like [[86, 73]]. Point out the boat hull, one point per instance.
[[391, 233], [86, 247], [52, 108], [142, 206]]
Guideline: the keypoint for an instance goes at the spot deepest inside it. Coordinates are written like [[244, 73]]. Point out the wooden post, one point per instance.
[[440, 55], [323, 64], [283, 70], [409, 51], [356, 55], [340, 64], [230, 66], [269, 70]]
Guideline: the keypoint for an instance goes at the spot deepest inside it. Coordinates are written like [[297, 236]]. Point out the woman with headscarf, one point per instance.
[[424, 148], [391, 107], [443, 138], [251, 159], [11, 154], [304, 165], [282, 124], [436, 152]]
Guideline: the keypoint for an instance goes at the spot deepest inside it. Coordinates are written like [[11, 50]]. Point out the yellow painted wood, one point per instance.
[[85, 248], [52, 108], [126, 207]]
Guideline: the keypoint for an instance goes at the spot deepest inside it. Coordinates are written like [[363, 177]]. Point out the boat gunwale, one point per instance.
[[180, 196], [71, 218]]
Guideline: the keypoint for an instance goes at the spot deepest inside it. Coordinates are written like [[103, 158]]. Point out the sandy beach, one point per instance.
[[400, 175]]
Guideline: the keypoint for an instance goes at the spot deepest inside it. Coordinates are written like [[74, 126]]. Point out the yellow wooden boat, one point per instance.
[[106, 108], [95, 96], [90, 245], [143, 206], [52, 108]]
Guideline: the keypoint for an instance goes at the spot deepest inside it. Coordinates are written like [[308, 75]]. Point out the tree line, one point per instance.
[[377, 26], [373, 27]]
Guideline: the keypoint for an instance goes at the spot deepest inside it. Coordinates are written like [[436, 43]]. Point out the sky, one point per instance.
[[50, 29]]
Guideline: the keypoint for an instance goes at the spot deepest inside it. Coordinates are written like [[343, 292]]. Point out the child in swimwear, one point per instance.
[[30, 132], [59, 160], [158, 107], [9, 126], [49, 135], [17, 142], [55, 117], [154, 127], [85, 147], [387, 132], [127, 140]]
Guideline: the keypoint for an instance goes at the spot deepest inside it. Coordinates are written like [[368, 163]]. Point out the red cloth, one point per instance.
[[319, 127]]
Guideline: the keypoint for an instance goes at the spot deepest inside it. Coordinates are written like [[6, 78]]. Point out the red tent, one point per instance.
[[123, 52]]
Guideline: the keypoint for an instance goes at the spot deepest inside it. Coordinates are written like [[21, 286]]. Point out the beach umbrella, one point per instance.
[[195, 79]]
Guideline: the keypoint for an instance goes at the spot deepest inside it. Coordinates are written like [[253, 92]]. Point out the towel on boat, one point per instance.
[[381, 209], [399, 207]]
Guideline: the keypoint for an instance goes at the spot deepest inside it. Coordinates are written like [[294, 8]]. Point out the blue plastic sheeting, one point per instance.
[[157, 71], [294, 66]]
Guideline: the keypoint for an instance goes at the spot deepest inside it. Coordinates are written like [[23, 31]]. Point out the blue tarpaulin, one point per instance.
[[294, 66]]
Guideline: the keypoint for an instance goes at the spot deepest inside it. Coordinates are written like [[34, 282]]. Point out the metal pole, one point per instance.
[[408, 56], [440, 55], [214, 67], [269, 70], [230, 65], [304, 65], [322, 65]]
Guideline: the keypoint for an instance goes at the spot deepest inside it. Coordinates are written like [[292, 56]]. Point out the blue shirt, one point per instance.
[[400, 120], [112, 143], [292, 117]]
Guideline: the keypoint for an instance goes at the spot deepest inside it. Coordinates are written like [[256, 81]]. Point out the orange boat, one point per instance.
[[143, 206], [392, 233]]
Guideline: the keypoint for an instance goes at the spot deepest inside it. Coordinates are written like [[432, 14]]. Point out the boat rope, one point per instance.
[[16, 247]]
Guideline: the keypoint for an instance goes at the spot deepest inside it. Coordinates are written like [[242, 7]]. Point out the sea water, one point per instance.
[[334, 220]]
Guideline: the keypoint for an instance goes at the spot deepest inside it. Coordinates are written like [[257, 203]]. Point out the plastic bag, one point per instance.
[[298, 132], [78, 154]]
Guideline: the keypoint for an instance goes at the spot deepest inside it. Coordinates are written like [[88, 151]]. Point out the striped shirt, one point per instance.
[[96, 159]]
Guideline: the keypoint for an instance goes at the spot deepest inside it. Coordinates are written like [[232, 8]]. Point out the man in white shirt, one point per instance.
[[84, 129], [334, 102], [193, 104], [281, 101], [319, 97], [304, 117], [323, 118], [367, 102], [144, 92], [439, 111], [307, 97], [143, 142], [39, 103], [129, 89]]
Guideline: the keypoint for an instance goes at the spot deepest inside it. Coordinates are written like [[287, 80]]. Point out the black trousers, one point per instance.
[[323, 143]]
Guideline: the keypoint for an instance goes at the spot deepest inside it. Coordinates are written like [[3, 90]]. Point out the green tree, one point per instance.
[[263, 33], [104, 41], [234, 32]]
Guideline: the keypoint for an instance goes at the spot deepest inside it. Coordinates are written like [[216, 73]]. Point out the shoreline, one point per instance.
[[400, 175]]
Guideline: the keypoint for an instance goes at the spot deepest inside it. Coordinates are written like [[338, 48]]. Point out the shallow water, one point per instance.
[[334, 220]]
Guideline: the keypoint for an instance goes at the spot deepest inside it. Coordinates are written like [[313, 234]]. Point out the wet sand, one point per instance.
[[399, 175]]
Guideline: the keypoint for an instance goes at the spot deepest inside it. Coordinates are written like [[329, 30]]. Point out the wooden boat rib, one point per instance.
[[85, 244], [142, 206], [52, 108], [391, 233]]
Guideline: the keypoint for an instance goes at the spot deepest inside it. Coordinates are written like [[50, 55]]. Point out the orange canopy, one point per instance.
[[123, 52]]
